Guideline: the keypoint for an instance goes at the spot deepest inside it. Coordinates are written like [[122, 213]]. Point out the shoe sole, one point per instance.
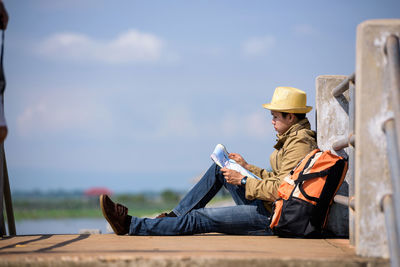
[[105, 215]]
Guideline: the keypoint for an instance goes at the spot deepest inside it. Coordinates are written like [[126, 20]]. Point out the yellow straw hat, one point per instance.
[[288, 99]]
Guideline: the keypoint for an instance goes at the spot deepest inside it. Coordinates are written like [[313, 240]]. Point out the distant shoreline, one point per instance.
[[79, 207]]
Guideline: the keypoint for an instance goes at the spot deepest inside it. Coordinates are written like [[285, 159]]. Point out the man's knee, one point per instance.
[[214, 169]]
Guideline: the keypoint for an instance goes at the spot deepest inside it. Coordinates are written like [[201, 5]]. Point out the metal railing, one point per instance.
[[390, 204], [349, 141], [5, 193], [346, 201], [343, 86], [345, 142]]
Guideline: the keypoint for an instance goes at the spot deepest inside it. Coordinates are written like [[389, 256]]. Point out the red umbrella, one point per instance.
[[97, 191]]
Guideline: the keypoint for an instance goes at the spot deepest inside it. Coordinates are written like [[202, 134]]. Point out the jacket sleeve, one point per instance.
[[262, 173], [267, 189]]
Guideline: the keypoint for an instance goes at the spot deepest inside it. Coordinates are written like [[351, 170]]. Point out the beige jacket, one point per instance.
[[292, 146]]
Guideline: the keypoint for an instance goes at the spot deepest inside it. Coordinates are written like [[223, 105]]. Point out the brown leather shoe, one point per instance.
[[116, 215]]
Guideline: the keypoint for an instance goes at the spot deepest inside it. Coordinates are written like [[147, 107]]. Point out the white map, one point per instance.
[[221, 158]]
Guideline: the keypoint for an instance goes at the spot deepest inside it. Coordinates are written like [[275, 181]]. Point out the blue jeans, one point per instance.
[[247, 217]]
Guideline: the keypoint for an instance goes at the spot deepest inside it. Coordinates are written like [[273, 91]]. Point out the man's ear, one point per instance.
[[292, 118]]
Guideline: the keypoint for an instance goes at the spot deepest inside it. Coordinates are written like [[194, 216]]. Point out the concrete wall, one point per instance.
[[332, 119], [333, 125], [372, 109]]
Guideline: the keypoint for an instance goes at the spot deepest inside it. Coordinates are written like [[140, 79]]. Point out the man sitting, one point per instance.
[[253, 197]]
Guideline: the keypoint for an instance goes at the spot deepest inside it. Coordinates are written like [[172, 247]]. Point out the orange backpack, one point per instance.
[[306, 194]]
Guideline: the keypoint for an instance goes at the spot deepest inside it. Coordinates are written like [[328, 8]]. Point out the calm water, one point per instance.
[[72, 226], [60, 226]]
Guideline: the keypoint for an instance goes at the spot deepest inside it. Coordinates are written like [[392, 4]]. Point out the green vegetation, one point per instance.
[[21, 214], [57, 206]]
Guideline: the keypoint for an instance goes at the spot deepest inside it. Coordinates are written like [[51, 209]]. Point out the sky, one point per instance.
[[134, 95]]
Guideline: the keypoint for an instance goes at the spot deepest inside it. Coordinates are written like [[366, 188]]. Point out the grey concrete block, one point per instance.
[[372, 109], [333, 125]]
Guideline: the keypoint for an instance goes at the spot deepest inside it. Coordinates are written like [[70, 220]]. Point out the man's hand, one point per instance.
[[239, 159], [232, 177]]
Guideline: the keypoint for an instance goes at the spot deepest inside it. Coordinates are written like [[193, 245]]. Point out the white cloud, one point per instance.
[[180, 122], [177, 121], [258, 46], [304, 29], [129, 47], [84, 112], [253, 125], [68, 111]]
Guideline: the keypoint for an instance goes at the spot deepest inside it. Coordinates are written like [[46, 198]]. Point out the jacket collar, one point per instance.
[[281, 138]]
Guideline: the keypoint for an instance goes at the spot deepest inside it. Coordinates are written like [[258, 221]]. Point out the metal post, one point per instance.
[[7, 197], [393, 57], [2, 226], [392, 127], [392, 233], [343, 143], [5, 194], [343, 86], [2, 223], [350, 171], [345, 201], [394, 159], [340, 144]]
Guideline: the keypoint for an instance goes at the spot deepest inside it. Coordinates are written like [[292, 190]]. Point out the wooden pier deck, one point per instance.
[[199, 250]]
